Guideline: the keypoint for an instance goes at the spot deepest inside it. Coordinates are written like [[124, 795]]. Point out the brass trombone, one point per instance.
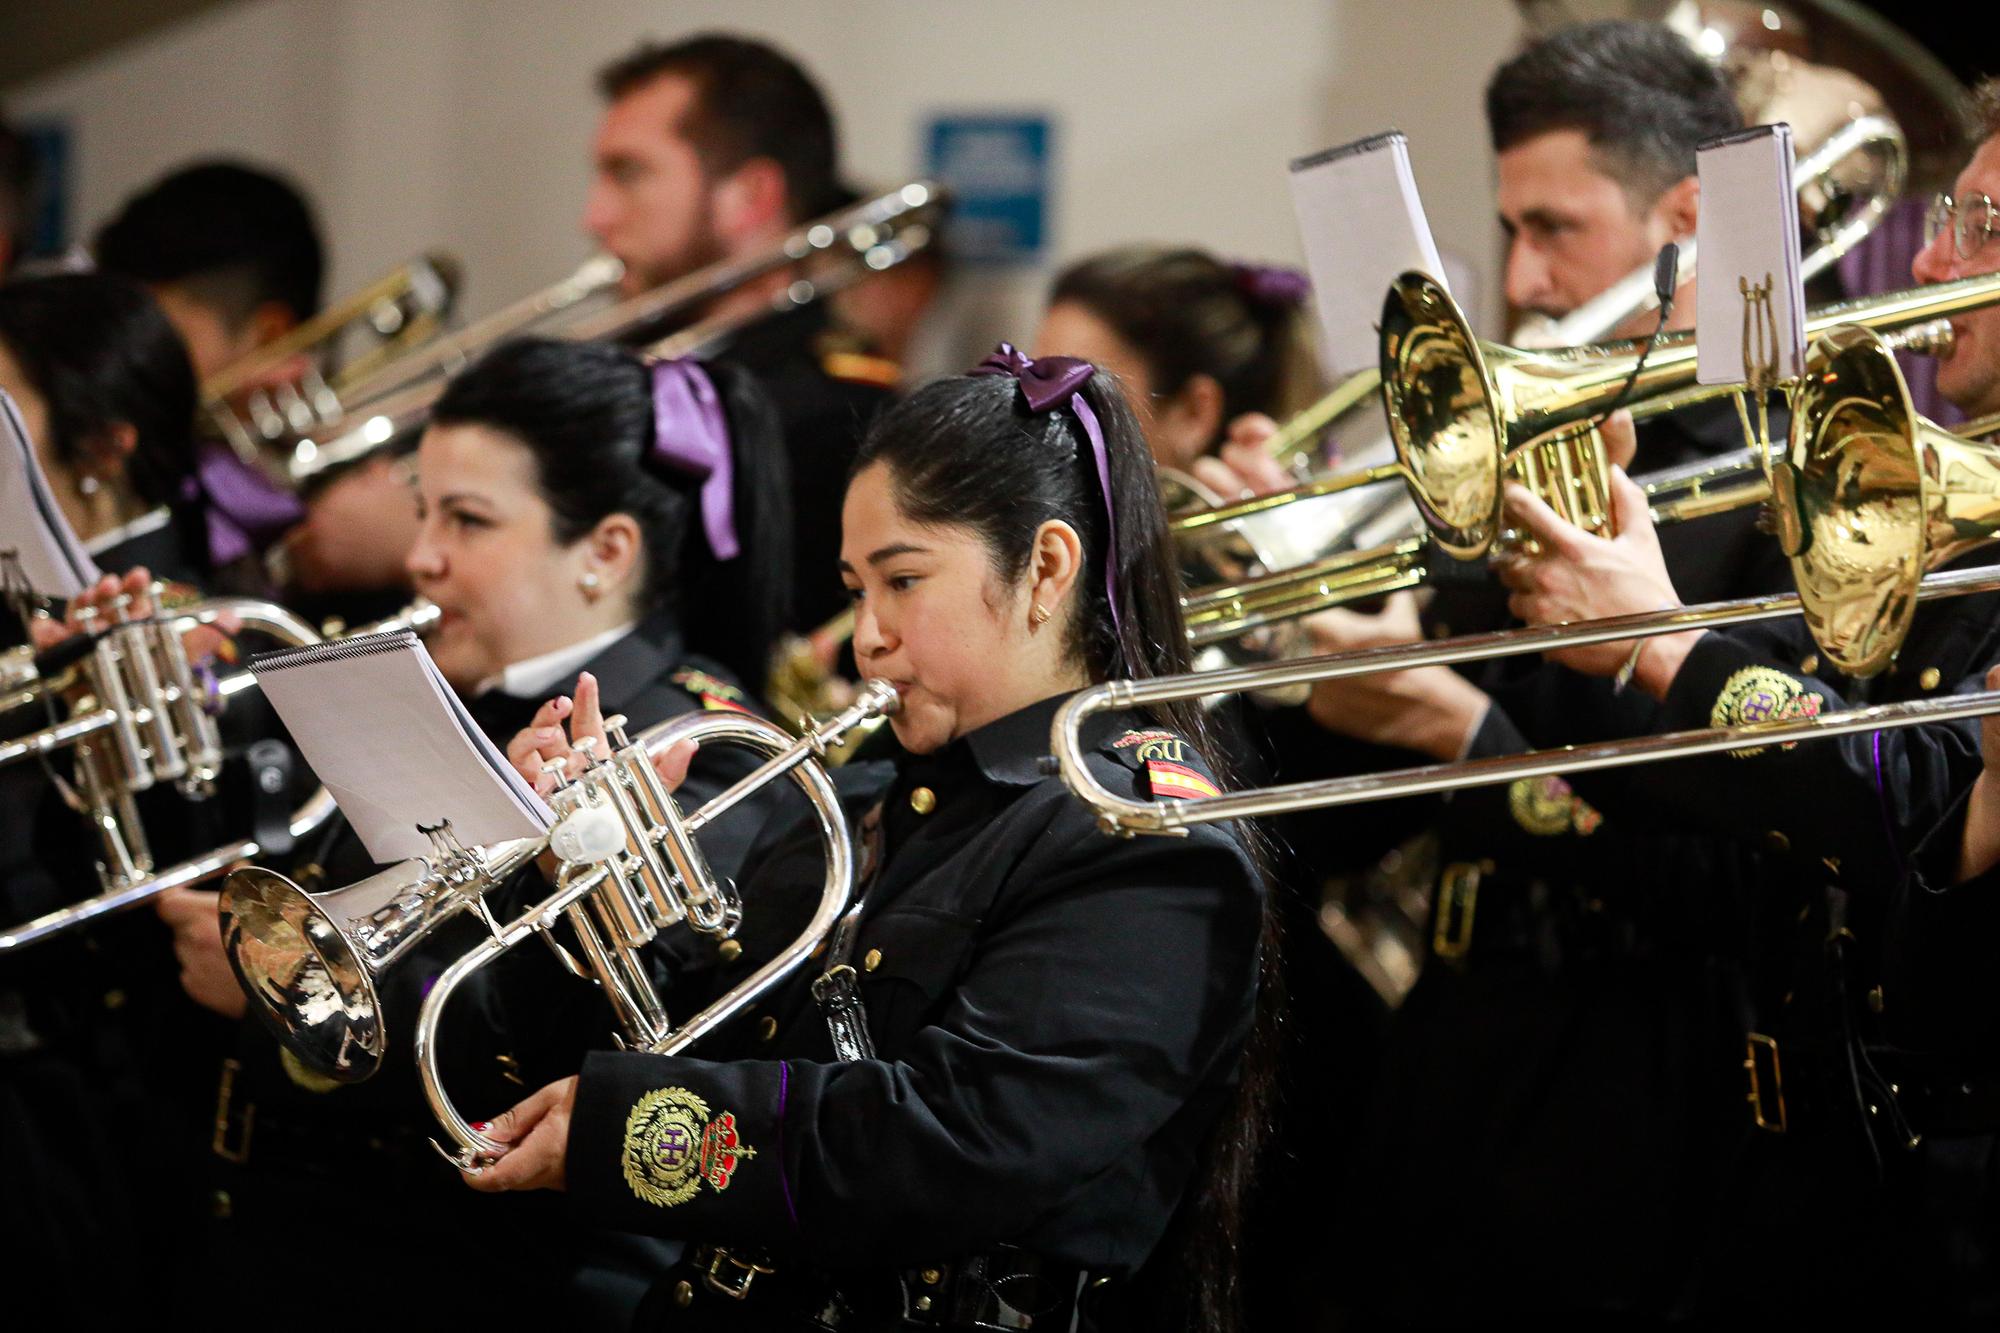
[[826, 255], [1124, 815], [1869, 496], [149, 719], [629, 868], [1466, 414], [393, 315]]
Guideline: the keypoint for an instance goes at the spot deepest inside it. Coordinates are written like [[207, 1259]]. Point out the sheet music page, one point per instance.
[[1748, 230], [1362, 225], [395, 747], [31, 523]]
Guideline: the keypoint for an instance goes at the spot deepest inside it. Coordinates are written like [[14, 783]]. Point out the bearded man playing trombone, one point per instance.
[[1856, 1181]]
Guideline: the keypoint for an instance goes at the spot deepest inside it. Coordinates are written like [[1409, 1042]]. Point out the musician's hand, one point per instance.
[[1578, 576], [1243, 466], [1979, 849], [205, 972], [545, 739], [1432, 710], [537, 1132], [202, 641], [1621, 439]]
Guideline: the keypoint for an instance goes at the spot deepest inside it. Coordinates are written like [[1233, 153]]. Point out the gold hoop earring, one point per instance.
[[1040, 615]]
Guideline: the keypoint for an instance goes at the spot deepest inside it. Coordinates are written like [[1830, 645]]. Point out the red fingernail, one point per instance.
[[480, 1126]]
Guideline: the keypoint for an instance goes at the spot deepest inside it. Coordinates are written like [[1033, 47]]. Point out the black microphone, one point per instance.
[[1666, 274]]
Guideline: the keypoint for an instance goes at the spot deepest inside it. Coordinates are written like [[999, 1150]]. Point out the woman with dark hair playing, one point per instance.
[[582, 516], [108, 397], [1200, 344], [1052, 1069]]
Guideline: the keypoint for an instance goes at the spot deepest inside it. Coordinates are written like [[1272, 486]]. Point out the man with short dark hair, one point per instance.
[[1595, 132], [231, 252], [716, 148]]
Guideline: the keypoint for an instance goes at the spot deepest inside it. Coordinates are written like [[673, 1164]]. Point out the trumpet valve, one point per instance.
[[614, 728], [586, 750]]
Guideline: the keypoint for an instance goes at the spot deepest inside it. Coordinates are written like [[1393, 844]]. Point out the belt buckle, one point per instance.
[[730, 1275], [1458, 895], [225, 1093], [1754, 1045]]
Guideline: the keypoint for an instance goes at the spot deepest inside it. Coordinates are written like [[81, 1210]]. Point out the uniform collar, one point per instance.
[[536, 676], [1013, 750]]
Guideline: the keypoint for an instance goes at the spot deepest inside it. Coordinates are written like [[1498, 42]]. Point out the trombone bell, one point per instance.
[[1872, 496]]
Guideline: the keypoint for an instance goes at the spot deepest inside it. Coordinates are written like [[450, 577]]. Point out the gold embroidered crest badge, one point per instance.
[[671, 1147], [1548, 808], [1762, 694]]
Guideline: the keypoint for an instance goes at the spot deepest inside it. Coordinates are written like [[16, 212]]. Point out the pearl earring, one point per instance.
[[587, 581], [88, 485]]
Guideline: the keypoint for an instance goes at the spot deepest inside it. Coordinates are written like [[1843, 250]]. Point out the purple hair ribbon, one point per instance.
[[691, 436], [246, 510], [1271, 284], [1050, 383]]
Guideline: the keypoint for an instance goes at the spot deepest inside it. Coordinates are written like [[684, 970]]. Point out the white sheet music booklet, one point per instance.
[[395, 746], [1362, 225], [1748, 236], [32, 525]]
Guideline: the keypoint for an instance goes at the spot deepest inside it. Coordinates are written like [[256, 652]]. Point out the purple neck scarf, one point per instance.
[[245, 510], [691, 436], [1050, 383]]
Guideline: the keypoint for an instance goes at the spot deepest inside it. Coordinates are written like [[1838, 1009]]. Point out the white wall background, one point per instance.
[[465, 123]]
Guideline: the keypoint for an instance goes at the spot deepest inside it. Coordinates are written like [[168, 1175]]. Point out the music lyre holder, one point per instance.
[[1760, 365]]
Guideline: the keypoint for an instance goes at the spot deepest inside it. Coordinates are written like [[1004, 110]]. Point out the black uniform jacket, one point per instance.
[[1057, 1018], [96, 1035], [360, 1151], [825, 401]]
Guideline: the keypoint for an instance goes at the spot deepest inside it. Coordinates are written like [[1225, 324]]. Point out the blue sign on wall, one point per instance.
[[998, 170]]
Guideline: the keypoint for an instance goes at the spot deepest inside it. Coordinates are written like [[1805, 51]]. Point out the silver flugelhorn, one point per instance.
[[149, 717], [629, 867], [824, 256]]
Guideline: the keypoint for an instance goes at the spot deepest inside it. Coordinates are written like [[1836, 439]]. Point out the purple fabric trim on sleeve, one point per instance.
[[1882, 801], [784, 1177]]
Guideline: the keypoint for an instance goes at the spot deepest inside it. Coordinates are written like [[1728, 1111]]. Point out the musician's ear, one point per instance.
[[751, 201], [1676, 210]]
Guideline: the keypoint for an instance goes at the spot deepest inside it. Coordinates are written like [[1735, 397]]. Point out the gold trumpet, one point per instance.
[[250, 403], [1466, 415], [629, 868], [148, 719], [1869, 497]]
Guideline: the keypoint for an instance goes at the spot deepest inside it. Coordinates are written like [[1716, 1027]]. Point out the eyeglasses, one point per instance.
[[1969, 220]]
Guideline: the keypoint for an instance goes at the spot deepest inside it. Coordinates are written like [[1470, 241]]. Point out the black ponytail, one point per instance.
[[585, 412], [100, 354], [967, 452]]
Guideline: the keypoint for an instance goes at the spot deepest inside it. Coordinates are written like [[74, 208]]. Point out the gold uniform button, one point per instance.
[[923, 800], [767, 1028], [1810, 664], [1777, 841], [114, 999], [871, 960], [1929, 680], [729, 950], [1875, 999], [683, 1294]]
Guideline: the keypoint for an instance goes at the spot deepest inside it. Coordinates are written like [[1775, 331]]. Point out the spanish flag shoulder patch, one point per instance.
[[715, 693], [1178, 780]]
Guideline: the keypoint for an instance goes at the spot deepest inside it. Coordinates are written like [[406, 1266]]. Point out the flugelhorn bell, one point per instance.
[[309, 962]]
